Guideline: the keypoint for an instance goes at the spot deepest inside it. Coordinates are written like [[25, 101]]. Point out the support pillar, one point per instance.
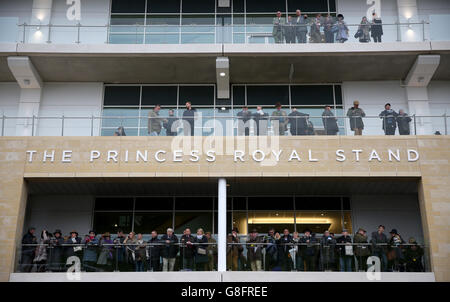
[[222, 226]]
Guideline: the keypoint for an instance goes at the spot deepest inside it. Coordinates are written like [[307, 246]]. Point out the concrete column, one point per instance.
[[408, 13], [222, 226], [40, 14]]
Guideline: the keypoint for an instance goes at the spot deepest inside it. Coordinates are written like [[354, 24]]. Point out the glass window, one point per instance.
[[163, 95], [111, 222], [240, 222], [129, 6], [193, 220], [319, 221], [122, 95], [238, 95], [266, 6], [338, 94], [147, 222], [197, 95], [263, 221], [239, 203], [198, 6], [166, 6], [318, 203], [115, 117], [309, 6], [312, 95], [194, 203], [113, 204], [271, 203], [154, 203], [267, 95]]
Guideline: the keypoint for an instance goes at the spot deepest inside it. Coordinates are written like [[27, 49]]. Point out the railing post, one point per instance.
[[92, 125], [24, 32], [3, 125], [108, 30], [62, 125], [415, 124], [423, 30], [445, 123], [398, 32], [78, 33], [32, 126], [49, 34]]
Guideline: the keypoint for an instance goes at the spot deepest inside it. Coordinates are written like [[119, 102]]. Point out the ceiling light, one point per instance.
[[222, 74]]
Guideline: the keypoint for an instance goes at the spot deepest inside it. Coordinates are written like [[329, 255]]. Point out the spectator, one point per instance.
[[377, 28], [260, 118], [120, 251], [413, 256], [279, 120], [355, 115], [154, 121], [278, 24], [234, 250], [389, 118], [361, 249], [403, 121], [189, 116], [212, 252], [299, 263], [201, 251], [105, 257], [130, 250], [310, 130], [327, 248], [363, 32], [90, 252], [395, 255], [75, 249], [141, 254], [379, 246], [285, 246], [329, 29], [254, 251], [41, 252], [120, 131], [56, 252], [298, 122], [28, 250], [170, 124], [316, 23], [154, 252], [329, 121], [243, 117], [300, 22], [271, 255], [289, 31], [169, 251], [187, 250], [342, 29], [345, 251], [309, 250]]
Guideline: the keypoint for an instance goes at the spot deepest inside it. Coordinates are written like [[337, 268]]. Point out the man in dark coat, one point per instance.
[[254, 251], [298, 122], [170, 250], [329, 122], [243, 117], [56, 252], [403, 121], [154, 252], [284, 246], [389, 118], [187, 250], [376, 28], [271, 257], [261, 121], [289, 31], [301, 26], [355, 115], [189, 116], [170, 124], [345, 251], [309, 250], [413, 256], [73, 247], [28, 250], [119, 251], [379, 246], [327, 248]]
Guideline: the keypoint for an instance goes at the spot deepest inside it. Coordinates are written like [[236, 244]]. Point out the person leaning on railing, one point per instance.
[[301, 29], [379, 246], [277, 32], [413, 256], [254, 251], [105, 256], [389, 117], [285, 245], [327, 251], [212, 252], [130, 250], [201, 251], [395, 254], [345, 251], [403, 121], [41, 253], [57, 252], [28, 251], [187, 250], [329, 121], [355, 115], [73, 247], [90, 252], [310, 250], [154, 252], [234, 250], [170, 250], [361, 249]]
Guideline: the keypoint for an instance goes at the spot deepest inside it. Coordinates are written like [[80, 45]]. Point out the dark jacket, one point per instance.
[[329, 122], [309, 245], [168, 124], [29, 238], [285, 244], [379, 242], [355, 115], [403, 121], [298, 122], [189, 115], [202, 245], [56, 253], [254, 250], [389, 119], [341, 241], [169, 250], [327, 248], [377, 28], [187, 250], [154, 248], [70, 250], [244, 115], [361, 250]]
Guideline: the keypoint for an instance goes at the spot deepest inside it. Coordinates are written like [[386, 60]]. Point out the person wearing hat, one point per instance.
[[345, 251], [327, 251], [389, 118], [278, 25], [413, 256], [105, 256], [170, 250], [75, 249], [355, 115], [254, 251], [189, 116], [271, 251], [90, 252], [56, 252], [28, 250], [234, 250], [395, 255], [310, 250], [212, 252], [279, 120], [329, 121], [361, 249], [342, 29], [379, 246]]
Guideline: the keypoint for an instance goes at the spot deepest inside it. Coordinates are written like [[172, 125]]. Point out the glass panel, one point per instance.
[[154, 203], [318, 203], [127, 24], [338, 94], [266, 6], [166, 6], [238, 95], [147, 222], [197, 38], [111, 131], [239, 203], [163, 95], [312, 95], [113, 204], [238, 6], [319, 221], [162, 38], [197, 95], [126, 38], [163, 24], [240, 222], [194, 203], [198, 6], [193, 220], [309, 6], [267, 95], [122, 95], [272, 203], [115, 117], [144, 121], [129, 6], [111, 222], [263, 221], [348, 221]]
